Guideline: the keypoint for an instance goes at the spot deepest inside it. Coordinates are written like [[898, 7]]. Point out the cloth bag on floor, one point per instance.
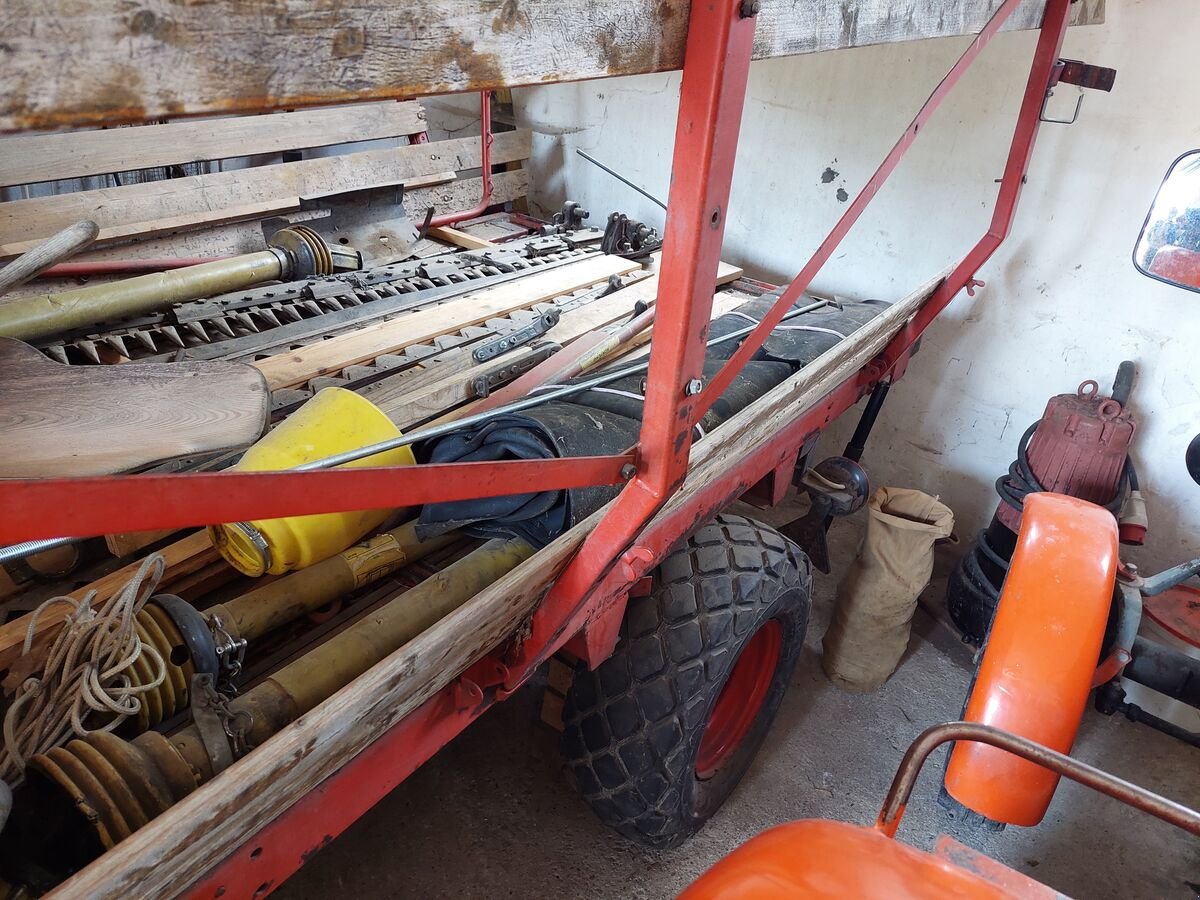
[[878, 596]]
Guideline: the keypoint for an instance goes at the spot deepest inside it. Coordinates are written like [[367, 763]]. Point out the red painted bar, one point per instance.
[[33, 508], [712, 94], [801, 282]]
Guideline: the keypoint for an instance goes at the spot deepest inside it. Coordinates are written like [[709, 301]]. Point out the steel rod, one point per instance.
[[27, 548], [1097, 779], [621, 178]]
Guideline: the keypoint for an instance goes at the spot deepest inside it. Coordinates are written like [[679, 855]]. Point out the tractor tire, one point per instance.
[[659, 735]]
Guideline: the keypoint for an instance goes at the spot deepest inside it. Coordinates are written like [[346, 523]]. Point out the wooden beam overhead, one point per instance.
[[90, 62], [46, 157]]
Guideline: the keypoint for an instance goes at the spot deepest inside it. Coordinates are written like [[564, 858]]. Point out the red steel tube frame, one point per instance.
[[485, 163], [714, 81]]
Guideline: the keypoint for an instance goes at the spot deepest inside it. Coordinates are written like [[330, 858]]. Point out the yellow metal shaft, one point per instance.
[[46, 314], [118, 785], [276, 604]]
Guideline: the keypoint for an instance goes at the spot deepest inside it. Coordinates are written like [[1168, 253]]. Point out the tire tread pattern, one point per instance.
[[632, 726]]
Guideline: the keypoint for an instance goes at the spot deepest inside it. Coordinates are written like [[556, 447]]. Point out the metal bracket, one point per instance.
[[493, 348], [1085, 76], [469, 687], [231, 653], [482, 386]]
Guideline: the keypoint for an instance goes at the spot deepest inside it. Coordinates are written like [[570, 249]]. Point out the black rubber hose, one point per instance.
[[1123, 385], [1016, 484]]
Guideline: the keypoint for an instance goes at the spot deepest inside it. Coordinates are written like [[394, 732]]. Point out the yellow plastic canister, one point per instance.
[[333, 421]]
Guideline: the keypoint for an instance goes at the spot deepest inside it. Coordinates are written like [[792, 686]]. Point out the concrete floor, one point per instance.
[[492, 816]]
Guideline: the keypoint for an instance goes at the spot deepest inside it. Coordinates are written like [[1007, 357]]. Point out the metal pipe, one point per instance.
[[621, 178], [931, 738], [295, 252], [485, 162], [274, 605], [121, 785], [184, 638], [1169, 578], [123, 266], [28, 548], [41, 258]]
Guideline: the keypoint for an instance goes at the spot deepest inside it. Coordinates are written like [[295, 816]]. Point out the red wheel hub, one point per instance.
[[740, 699]]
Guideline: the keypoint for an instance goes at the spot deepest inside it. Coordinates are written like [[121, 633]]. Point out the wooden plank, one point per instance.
[[77, 62], [232, 238], [333, 355], [184, 558], [459, 238], [152, 227], [48, 157], [58, 420], [130, 542], [118, 210], [205, 827], [408, 407]]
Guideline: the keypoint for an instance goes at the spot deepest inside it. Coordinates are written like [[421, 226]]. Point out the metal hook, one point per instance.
[[1042, 117]]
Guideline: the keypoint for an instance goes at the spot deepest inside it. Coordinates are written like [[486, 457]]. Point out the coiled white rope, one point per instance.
[[85, 675]]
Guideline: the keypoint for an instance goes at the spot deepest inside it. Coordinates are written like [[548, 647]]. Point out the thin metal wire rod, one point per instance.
[[621, 178], [29, 548]]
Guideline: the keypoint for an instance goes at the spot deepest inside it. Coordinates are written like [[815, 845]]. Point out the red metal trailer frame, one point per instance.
[[583, 609]]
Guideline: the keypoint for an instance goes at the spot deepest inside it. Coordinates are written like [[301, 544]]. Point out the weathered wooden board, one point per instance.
[[48, 157], [333, 355], [80, 62], [162, 859], [231, 238], [58, 420], [459, 238], [120, 211]]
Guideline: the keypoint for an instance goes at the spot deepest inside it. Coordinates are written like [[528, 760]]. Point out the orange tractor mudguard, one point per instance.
[[817, 858], [1040, 659]]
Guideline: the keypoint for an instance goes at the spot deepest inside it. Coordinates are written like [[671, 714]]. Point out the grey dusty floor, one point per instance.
[[491, 815]]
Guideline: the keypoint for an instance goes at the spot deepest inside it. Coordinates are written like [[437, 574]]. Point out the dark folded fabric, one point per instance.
[[546, 432]]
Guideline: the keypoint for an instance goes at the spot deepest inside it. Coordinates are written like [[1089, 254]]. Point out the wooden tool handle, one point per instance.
[[54, 249]]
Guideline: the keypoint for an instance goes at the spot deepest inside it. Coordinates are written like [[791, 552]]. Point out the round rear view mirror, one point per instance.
[[1168, 249]]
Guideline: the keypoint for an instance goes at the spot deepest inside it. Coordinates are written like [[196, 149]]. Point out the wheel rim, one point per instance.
[[741, 698]]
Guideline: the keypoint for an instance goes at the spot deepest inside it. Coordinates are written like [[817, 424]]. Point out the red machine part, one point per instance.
[[1177, 611], [1040, 659], [579, 604], [1079, 448], [1177, 264], [740, 700]]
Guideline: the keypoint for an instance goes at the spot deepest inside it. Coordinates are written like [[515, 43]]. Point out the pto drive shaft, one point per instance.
[[118, 786]]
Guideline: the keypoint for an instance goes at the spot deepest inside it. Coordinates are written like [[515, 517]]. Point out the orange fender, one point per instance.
[[819, 859], [1041, 655]]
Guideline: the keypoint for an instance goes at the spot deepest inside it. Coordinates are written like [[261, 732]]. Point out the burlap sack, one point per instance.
[[878, 596]]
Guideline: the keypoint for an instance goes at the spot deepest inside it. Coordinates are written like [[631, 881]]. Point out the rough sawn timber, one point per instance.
[[46, 157], [180, 846], [141, 208], [93, 62]]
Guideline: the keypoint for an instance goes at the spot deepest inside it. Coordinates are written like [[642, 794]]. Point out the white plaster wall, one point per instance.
[[1063, 302]]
